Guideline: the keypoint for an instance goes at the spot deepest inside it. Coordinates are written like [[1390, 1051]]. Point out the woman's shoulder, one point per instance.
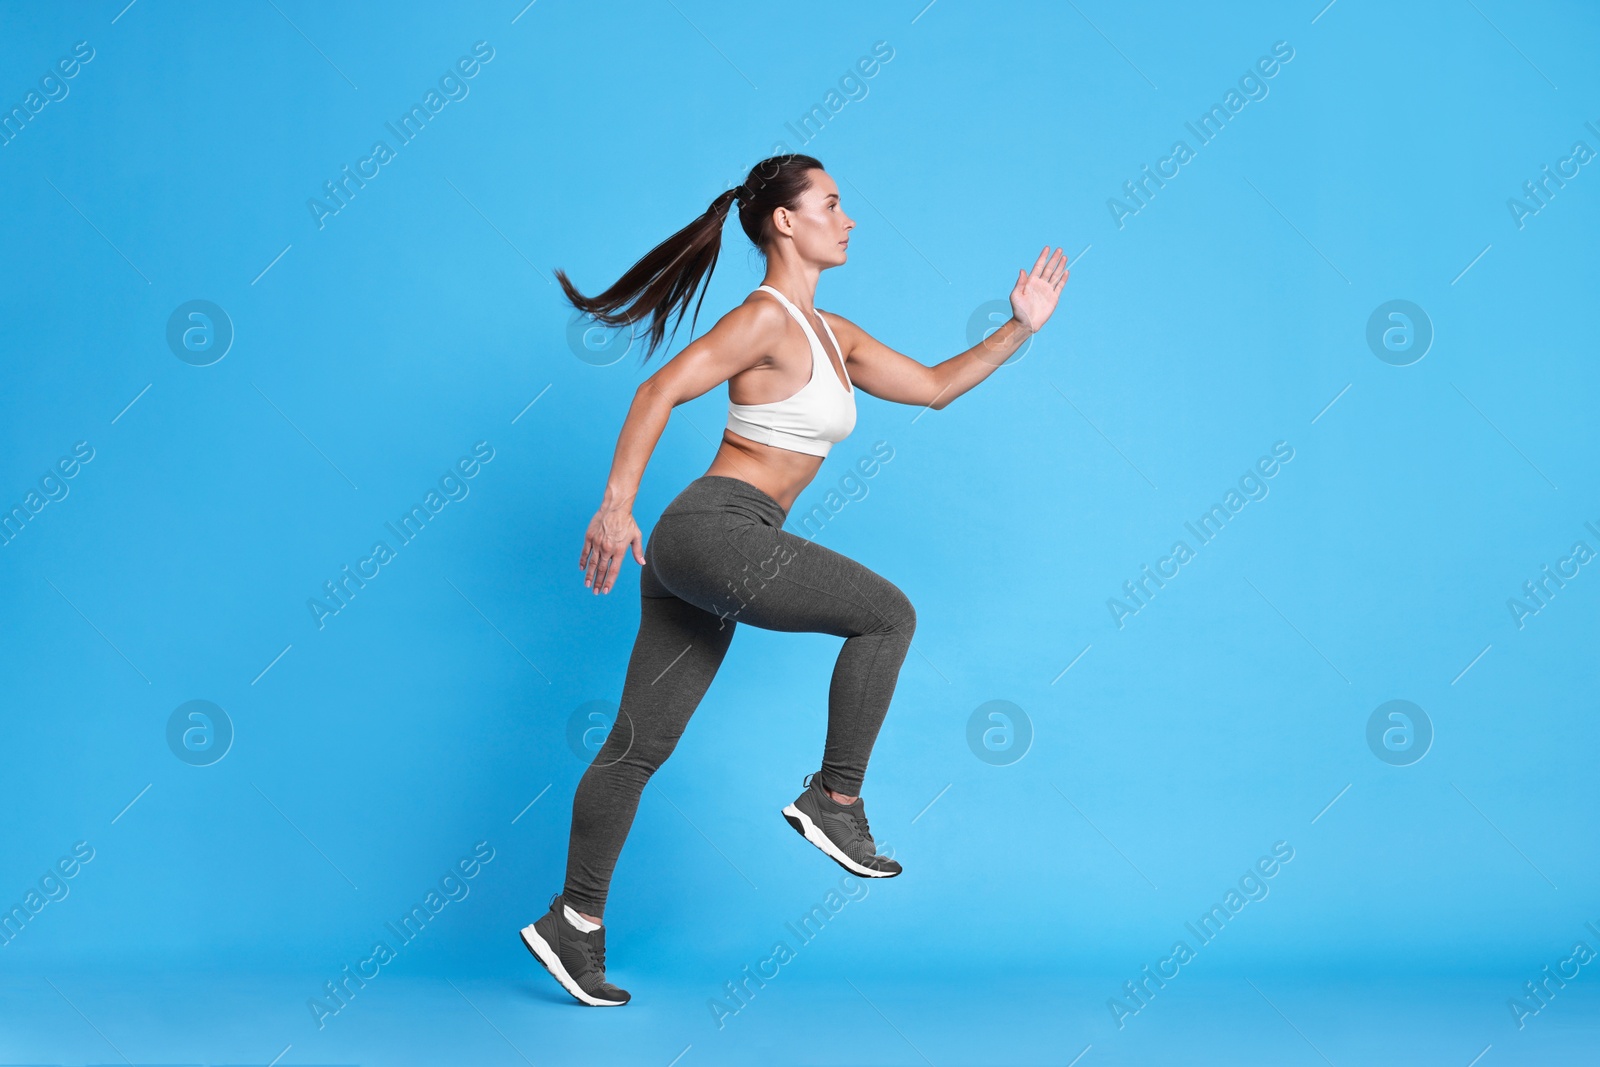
[[760, 311]]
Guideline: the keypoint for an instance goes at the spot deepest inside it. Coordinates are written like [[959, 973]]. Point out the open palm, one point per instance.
[[1034, 296]]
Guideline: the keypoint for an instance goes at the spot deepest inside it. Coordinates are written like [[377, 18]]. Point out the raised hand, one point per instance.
[[1034, 296], [611, 533]]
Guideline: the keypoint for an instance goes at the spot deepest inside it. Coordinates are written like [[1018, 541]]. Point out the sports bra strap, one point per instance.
[[795, 313], [810, 331], [836, 347], [784, 301]]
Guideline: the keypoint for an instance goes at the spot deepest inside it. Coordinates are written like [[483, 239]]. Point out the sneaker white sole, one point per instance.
[[546, 955], [813, 833]]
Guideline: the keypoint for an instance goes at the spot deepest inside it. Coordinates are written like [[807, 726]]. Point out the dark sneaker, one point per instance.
[[840, 830], [574, 958]]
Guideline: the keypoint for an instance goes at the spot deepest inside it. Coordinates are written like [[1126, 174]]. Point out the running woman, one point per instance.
[[719, 555]]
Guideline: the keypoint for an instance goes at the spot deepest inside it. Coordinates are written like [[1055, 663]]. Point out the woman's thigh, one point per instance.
[[748, 571]]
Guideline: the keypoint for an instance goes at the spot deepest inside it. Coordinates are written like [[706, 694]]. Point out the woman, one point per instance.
[[718, 554]]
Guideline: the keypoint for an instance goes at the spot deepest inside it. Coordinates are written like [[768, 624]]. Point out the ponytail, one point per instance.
[[666, 278]]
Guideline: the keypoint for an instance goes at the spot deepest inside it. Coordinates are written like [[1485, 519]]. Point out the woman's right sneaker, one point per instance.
[[839, 830], [575, 958]]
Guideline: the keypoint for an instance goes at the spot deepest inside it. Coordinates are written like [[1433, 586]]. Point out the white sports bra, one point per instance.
[[813, 420]]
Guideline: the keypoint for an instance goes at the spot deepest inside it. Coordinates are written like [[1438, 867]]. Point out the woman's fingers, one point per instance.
[[1045, 267], [608, 566], [1039, 263], [604, 549], [614, 567], [595, 565]]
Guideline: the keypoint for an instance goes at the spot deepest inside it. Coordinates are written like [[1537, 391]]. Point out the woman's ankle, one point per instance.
[[585, 916]]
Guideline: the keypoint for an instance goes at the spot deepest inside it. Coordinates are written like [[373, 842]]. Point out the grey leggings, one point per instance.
[[717, 557]]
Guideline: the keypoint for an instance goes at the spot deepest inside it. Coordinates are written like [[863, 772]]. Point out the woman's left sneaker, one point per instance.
[[839, 830], [574, 957]]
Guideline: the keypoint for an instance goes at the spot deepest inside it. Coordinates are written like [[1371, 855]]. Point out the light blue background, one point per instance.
[[428, 714]]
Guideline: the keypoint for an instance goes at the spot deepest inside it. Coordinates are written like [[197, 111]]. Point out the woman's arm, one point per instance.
[[884, 373], [740, 339]]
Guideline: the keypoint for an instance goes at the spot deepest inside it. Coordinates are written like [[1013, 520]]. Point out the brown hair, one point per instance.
[[667, 276]]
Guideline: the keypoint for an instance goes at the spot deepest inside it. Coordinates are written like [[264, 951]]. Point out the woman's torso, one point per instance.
[[782, 473]]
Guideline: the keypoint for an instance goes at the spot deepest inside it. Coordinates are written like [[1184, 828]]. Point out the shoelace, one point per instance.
[[593, 952], [860, 834]]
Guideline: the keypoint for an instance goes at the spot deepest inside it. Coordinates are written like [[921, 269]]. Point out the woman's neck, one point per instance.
[[801, 291]]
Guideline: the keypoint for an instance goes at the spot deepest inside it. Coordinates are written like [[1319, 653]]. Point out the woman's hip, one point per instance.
[[717, 495], [726, 563]]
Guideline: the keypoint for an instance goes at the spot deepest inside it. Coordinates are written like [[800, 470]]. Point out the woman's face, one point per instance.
[[818, 225]]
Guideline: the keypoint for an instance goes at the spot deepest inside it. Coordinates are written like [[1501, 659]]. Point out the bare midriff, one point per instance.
[[779, 472]]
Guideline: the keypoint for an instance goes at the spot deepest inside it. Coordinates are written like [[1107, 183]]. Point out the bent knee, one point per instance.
[[895, 610]]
